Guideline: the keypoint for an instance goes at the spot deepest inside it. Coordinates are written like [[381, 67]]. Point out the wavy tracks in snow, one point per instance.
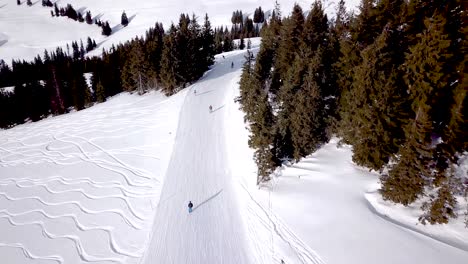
[[29, 255], [83, 163]]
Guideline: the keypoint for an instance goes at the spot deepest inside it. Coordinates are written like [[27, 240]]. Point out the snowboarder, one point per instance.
[[232, 64], [211, 109], [190, 206]]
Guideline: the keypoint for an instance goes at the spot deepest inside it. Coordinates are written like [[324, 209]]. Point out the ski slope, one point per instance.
[[110, 184], [213, 232], [83, 187]]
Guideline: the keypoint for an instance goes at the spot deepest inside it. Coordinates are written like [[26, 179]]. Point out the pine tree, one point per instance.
[[388, 11], [405, 182], [242, 43], [76, 50], [100, 92], [80, 18], [316, 27], [379, 103], [106, 29], [342, 18], [153, 51], [29, 3], [259, 115], [135, 68], [440, 208], [290, 35], [424, 77], [56, 99], [259, 15], [124, 19], [228, 44], [308, 117], [89, 45], [170, 62], [195, 65], [70, 12], [56, 10], [249, 28], [82, 50], [79, 88], [88, 18], [208, 44], [365, 31]]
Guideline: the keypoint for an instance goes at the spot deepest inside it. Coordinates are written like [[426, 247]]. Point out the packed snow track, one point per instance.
[[213, 232]]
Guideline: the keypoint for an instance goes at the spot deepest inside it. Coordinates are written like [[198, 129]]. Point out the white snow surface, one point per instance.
[[83, 187], [26, 31], [110, 184]]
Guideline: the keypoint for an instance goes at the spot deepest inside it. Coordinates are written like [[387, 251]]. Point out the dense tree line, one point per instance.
[[54, 83], [390, 81]]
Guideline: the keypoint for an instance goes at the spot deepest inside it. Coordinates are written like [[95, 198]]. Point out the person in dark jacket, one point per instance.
[[190, 206]]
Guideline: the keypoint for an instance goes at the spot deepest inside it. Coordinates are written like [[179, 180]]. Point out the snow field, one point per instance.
[[83, 187], [26, 31]]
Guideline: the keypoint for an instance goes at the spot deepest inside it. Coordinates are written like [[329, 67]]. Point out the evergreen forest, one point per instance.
[[390, 81]]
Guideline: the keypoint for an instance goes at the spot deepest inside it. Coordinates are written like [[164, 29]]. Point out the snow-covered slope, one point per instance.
[[325, 209], [213, 232], [26, 31], [90, 187], [83, 187]]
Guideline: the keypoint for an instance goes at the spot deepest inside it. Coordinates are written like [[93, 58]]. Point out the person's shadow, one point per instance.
[[207, 200], [216, 109]]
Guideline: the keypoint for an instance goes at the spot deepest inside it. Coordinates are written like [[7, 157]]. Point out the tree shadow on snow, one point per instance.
[[3, 5], [81, 10], [98, 16], [207, 200], [35, 3], [117, 28], [131, 18]]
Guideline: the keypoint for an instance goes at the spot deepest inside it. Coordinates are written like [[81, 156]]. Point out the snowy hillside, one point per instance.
[[83, 187], [110, 184], [26, 31]]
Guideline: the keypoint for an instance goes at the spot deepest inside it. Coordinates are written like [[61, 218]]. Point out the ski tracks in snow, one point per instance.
[[73, 188], [269, 220]]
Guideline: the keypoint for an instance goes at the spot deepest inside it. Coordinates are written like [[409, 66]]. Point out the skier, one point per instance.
[[232, 64], [211, 109], [195, 92], [190, 206]]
